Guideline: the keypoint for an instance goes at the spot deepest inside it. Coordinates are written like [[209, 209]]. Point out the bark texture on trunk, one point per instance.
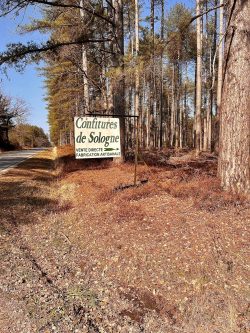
[[173, 110], [198, 139], [161, 76], [119, 93], [152, 86], [137, 79], [234, 154], [84, 69], [220, 57]]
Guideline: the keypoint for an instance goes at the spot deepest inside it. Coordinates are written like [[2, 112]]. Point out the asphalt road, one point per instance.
[[13, 158]]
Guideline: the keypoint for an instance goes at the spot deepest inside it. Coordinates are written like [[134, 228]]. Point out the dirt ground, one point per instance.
[[81, 253]]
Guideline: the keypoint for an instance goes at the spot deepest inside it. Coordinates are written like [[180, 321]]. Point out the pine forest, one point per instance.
[[124, 166]]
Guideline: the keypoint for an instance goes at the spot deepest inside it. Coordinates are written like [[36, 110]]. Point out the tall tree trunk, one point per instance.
[[234, 152], [208, 65], [219, 78], [198, 139], [181, 124], [178, 104], [137, 79], [211, 134], [119, 93], [173, 110], [220, 58], [209, 111], [161, 78], [148, 128], [185, 125], [84, 69], [209, 120], [152, 88]]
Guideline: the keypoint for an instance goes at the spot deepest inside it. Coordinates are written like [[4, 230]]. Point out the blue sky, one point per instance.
[[29, 85]]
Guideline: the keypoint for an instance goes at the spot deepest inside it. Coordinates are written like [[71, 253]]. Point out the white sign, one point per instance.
[[97, 137]]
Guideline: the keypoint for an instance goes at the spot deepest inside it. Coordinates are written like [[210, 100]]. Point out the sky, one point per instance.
[[29, 85]]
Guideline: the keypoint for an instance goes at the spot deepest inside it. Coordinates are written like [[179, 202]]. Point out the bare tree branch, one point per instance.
[[19, 51], [204, 13], [58, 4], [19, 6]]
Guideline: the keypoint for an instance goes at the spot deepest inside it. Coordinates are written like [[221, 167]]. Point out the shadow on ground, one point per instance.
[[40, 164], [23, 192], [70, 164]]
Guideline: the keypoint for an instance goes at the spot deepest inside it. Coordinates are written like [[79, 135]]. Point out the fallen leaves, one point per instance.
[[91, 259]]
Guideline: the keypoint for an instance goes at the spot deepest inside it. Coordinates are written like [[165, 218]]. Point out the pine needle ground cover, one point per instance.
[[80, 255]]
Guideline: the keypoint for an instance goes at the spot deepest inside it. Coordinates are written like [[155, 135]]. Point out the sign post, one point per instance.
[[98, 136]]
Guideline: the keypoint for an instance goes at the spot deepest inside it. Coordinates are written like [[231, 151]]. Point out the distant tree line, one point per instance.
[[14, 132], [12, 111], [28, 136]]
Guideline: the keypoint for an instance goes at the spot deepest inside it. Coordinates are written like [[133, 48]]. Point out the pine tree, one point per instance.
[[234, 153]]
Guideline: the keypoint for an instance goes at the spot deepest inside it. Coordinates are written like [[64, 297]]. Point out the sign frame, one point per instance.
[[136, 130], [96, 137]]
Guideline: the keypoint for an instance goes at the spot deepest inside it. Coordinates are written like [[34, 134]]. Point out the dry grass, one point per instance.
[[164, 257], [128, 212], [66, 162], [195, 293], [129, 194], [205, 191]]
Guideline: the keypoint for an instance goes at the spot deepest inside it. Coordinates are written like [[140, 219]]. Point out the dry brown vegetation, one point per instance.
[[79, 254]]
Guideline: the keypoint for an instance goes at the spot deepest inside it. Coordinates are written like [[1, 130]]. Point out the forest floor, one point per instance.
[[82, 253]]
